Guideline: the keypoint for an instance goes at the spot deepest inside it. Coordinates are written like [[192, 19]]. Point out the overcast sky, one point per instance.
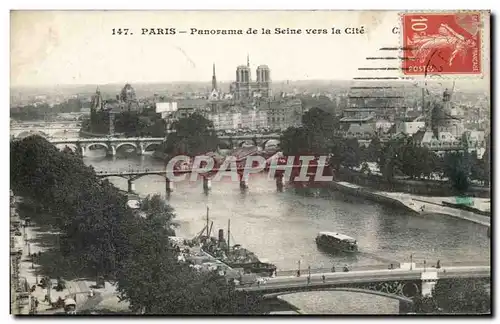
[[63, 47]]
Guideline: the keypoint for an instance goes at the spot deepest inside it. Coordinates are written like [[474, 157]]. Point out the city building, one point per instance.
[[245, 88], [187, 107], [225, 120], [358, 123], [283, 113], [167, 110], [445, 117], [215, 94], [409, 127], [446, 130], [239, 118]]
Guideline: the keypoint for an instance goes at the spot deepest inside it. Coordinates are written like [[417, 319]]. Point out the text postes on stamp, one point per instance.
[[444, 43]]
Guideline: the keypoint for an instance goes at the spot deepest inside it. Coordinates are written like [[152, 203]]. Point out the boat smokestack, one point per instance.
[[221, 235]]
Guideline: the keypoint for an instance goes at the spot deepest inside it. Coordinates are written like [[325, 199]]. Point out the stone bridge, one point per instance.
[[111, 145], [402, 283], [44, 129], [256, 139]]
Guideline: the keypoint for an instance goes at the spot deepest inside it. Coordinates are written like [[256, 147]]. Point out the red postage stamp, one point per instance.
[[442, 43]]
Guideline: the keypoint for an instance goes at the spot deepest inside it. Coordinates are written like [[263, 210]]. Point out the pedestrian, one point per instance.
[[298, 273], [438, 264], [324, 278], [333, 268]]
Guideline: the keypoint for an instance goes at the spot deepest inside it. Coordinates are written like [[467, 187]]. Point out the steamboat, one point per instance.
[[235, 256]]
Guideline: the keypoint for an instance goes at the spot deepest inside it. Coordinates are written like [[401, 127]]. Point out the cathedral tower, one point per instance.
[[214, 79]]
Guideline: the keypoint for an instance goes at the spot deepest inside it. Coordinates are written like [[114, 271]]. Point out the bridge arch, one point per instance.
[[24, 134], [354, 290], [225, 144], [129, 144], [151, 146], [98, 145], [271, 140], [241, 143], [62, 146]]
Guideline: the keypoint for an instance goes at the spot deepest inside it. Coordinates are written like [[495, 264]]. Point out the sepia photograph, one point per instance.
[[307, 162]]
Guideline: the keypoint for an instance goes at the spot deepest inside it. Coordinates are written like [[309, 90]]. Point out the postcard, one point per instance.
[[250, 162]]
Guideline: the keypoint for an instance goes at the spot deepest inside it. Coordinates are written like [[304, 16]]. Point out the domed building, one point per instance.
[[445, 126], [127, 99], [127, 93], [444, 118]]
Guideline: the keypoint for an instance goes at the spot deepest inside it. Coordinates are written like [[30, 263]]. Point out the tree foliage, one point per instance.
[[400, 156], [425, 305], [465, 296], [457, 168], [158, 213], [346, 152], [314, 137], [104, 237], [193, 135]]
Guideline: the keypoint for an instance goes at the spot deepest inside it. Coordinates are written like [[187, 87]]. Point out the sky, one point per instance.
[[77, 47]]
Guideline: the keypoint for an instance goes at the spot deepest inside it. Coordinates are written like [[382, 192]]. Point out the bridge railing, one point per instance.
[[338, 268], [304, 271]]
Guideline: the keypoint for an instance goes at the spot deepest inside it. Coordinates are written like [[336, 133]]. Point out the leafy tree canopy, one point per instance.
[[102, 236], [194, 135]]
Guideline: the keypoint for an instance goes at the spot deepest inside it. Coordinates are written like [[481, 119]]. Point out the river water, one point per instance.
[[281, 227]]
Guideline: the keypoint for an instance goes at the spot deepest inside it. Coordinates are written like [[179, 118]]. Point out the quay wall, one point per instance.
[[368, 194], [410, 203], [416, 187]]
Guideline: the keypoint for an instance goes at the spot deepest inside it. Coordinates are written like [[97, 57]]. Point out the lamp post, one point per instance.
[[298, 271], [411, 261]]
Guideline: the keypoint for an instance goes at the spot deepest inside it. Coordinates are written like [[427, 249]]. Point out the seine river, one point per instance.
[[281, 227]]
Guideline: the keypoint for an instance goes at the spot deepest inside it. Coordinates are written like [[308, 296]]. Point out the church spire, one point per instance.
[[214, 79]]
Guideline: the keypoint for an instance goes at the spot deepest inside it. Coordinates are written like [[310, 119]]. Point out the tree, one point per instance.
[[321, 102], [102, 236], [319, 127], [345, 152], [457, 168], [314, 137], [295, 141], [153, 282], [194, 135], [425, 305], [462, 296], [158, 213]]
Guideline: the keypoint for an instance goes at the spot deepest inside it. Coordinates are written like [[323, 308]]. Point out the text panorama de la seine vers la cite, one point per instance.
[[250, 31]]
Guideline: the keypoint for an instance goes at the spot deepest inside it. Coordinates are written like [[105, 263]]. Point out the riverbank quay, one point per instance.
[[420, 205], [421, 187], [32, 247]]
